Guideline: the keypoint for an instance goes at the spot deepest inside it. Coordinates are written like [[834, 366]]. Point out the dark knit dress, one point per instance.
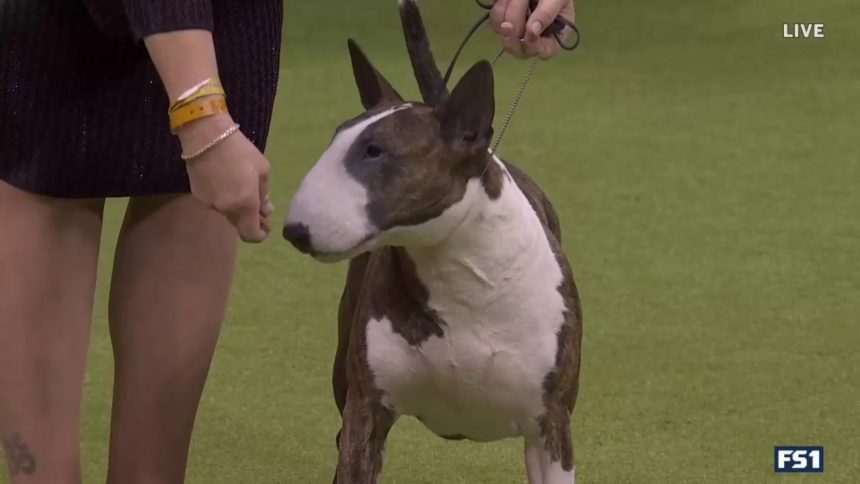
[[83, 112]]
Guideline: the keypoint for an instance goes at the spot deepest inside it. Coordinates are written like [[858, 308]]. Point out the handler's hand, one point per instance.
[[232, 178], [508, 19]]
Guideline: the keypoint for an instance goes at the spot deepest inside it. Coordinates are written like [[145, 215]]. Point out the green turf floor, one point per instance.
[[705, 170]]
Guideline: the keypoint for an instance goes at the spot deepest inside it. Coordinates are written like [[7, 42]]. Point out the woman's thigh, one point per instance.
[[48, 260], [171, 280]]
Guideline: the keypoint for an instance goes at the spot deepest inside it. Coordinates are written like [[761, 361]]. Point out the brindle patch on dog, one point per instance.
[[555, 429], [411, 174], [561, 385], [389, 274], [564, 380], [403, 299], [493, 179]]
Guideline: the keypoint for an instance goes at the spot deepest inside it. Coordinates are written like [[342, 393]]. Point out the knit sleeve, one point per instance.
[[147, 17]]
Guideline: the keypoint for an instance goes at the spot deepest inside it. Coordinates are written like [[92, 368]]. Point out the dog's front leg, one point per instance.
[[549, 450], [544, 467], [365, 427], [534, 450]]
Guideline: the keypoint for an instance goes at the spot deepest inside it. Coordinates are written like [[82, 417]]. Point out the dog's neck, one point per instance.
[[496, 246]]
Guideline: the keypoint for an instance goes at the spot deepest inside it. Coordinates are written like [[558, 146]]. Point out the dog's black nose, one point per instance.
[[299, 236]]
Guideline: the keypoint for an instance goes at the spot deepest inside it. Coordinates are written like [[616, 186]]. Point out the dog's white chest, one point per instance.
[[483, 378]]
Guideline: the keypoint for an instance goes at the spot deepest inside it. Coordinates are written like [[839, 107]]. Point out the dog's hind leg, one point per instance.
[[366, 424]]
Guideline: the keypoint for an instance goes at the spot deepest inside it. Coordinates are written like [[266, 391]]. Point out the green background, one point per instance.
[[705, 171]]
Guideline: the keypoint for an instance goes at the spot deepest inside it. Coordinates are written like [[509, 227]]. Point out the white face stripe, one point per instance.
[[345, 138], [330, 202], [336, 152]]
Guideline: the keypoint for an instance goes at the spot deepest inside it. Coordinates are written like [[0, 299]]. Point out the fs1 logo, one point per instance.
[[798, 459]]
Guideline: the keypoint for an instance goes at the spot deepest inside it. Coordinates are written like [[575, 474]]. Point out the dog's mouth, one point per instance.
[[366, 244], [329, 257]]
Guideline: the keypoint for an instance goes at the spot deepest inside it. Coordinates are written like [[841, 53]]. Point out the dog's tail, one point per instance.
[[430, 83]]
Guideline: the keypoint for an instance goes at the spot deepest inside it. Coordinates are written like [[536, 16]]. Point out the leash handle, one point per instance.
[[555, 29], [558, 26]]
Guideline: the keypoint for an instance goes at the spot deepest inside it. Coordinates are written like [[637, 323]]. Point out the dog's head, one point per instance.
[[395, 174]]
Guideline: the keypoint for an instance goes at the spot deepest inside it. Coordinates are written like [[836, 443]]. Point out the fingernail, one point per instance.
[[536, 28]]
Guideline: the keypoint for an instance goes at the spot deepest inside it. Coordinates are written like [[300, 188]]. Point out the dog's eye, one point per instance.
[[373, 151]]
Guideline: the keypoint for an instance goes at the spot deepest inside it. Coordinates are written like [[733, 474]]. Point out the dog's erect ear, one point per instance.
[[372, 87], [467, 116]]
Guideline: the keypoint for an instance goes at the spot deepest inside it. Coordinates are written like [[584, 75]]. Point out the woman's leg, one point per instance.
[[48, 259], [171, 279]]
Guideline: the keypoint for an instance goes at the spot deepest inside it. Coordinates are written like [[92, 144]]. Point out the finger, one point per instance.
[[569, 13], [514, 47], [266, 205], [515, 15], [507, 30], [248, 221], [497, 15], [250, 229], [543, 16], [266, 226], [235, 220], [532, 49], [549, 48]]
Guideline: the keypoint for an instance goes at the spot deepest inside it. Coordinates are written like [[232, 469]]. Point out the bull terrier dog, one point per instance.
[[459, 306]]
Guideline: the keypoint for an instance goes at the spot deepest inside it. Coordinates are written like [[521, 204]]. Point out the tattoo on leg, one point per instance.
[[19, 456]]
